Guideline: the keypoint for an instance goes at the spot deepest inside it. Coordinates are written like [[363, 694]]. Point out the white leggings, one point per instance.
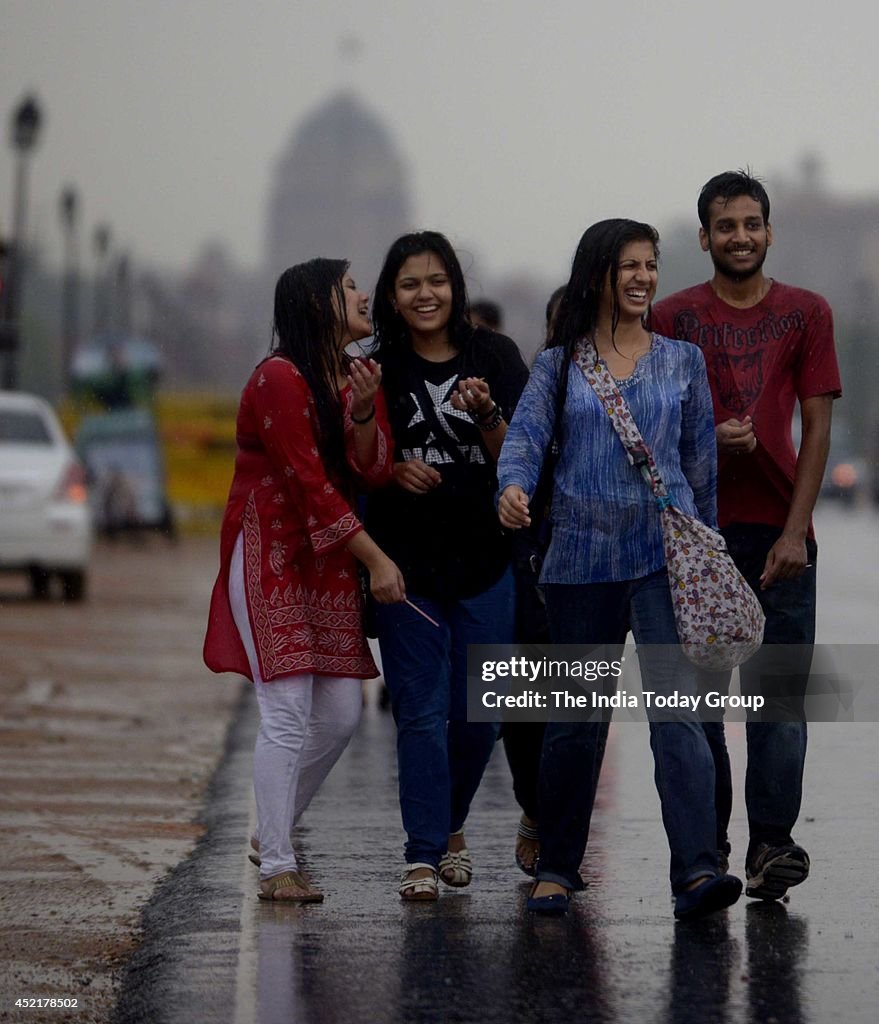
[[305, 724]]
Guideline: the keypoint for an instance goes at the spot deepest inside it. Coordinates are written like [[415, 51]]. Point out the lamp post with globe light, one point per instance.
[[26, 121]]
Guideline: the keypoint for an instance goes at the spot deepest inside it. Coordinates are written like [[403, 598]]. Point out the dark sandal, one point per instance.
[[713, 894], [555, 903]]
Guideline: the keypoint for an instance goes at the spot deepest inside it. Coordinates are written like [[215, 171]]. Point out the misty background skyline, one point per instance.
[[219, 142], [516, 125]]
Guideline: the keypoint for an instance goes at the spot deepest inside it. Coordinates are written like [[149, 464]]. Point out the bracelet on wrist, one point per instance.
[[492, 421], [481, 417], [366, 418]]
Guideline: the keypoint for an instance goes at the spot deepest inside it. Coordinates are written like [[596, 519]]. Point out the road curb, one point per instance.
[[185, 967]]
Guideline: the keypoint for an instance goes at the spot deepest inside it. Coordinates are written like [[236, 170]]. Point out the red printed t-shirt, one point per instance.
[[761, 361]]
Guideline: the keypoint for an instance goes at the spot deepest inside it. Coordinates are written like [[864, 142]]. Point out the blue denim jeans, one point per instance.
[[776, 750], [599, 613], [441, 756]]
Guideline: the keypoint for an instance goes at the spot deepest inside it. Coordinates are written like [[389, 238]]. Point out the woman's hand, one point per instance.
[[512, 508], [473, 396], [416, 476], [386, 582], [364, 376]]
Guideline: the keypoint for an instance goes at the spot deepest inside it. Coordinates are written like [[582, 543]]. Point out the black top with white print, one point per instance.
[[448, 543]]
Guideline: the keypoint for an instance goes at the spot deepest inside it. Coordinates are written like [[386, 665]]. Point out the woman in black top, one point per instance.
[[451, 388]]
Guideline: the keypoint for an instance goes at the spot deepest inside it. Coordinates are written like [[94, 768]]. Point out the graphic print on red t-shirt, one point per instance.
[[761, 361], [743, 357]]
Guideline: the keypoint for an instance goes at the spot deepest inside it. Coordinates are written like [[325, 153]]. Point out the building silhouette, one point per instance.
[[340, 190]]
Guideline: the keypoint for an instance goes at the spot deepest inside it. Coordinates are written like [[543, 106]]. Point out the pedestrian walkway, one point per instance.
[[213, 952]]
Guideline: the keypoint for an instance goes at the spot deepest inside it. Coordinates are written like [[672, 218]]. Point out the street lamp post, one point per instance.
[[26, 120], [69, 213], [123, 294], [101, 306]]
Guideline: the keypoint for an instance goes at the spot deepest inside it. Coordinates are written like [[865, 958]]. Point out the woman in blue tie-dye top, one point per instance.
[[604, 571]]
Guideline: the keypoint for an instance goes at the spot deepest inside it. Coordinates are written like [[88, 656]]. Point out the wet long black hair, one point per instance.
[[391, 331], [597, 256], [309, 311]]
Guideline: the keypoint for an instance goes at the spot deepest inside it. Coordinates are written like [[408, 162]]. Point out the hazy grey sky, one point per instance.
[[521, 122]]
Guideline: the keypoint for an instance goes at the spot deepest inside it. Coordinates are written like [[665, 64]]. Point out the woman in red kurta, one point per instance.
[[286, 609]]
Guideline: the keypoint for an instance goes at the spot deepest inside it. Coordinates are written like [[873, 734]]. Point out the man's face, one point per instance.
[[737, 237]]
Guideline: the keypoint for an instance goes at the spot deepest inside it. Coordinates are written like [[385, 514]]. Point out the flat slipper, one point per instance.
[[556, 903], [715, 894]]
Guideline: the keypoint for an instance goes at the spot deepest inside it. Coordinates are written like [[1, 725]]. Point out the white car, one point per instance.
[[45, 519]]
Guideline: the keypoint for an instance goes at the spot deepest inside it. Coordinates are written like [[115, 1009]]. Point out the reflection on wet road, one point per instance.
[[477, 956], [619, 956]]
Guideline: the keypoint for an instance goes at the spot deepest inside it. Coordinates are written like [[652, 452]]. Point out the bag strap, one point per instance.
[[610, 396]]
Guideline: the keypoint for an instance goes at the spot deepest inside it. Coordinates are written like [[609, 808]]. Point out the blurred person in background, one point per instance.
[[287, 610], [486, 313], [450, 388], [605, 567], [768, 347]]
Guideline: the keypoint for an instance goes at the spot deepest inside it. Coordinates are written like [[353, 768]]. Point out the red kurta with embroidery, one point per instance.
[[302, 587]]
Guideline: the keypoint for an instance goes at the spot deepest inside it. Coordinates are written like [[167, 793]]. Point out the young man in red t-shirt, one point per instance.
[[767, 346]]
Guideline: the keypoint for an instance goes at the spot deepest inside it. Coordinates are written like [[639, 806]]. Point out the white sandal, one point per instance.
[[419, 888], [457, 865]]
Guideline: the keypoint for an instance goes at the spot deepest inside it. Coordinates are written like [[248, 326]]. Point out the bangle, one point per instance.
[[366, 418], [492, 421], [477, 418]]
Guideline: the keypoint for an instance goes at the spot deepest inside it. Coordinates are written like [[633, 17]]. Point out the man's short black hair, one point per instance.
[[730, 185]]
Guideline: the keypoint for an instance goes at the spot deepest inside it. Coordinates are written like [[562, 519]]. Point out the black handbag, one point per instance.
[[531, 543]]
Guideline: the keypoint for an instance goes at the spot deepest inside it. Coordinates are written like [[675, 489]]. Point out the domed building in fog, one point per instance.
[[340, 190]]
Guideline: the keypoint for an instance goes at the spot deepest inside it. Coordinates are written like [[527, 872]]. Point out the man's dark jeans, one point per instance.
[[776, 749]]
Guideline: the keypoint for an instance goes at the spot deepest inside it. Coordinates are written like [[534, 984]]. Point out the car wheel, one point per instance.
[[73, 585], [39, 584]]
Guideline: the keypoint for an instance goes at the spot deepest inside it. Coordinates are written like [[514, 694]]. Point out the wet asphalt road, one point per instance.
[[214, 953]]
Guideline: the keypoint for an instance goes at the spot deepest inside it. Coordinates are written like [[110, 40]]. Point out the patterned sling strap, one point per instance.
[[639, 455], [718, 617]]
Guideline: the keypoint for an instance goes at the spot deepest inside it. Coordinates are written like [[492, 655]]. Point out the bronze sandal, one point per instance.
[[527, 846], [304, 893]]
